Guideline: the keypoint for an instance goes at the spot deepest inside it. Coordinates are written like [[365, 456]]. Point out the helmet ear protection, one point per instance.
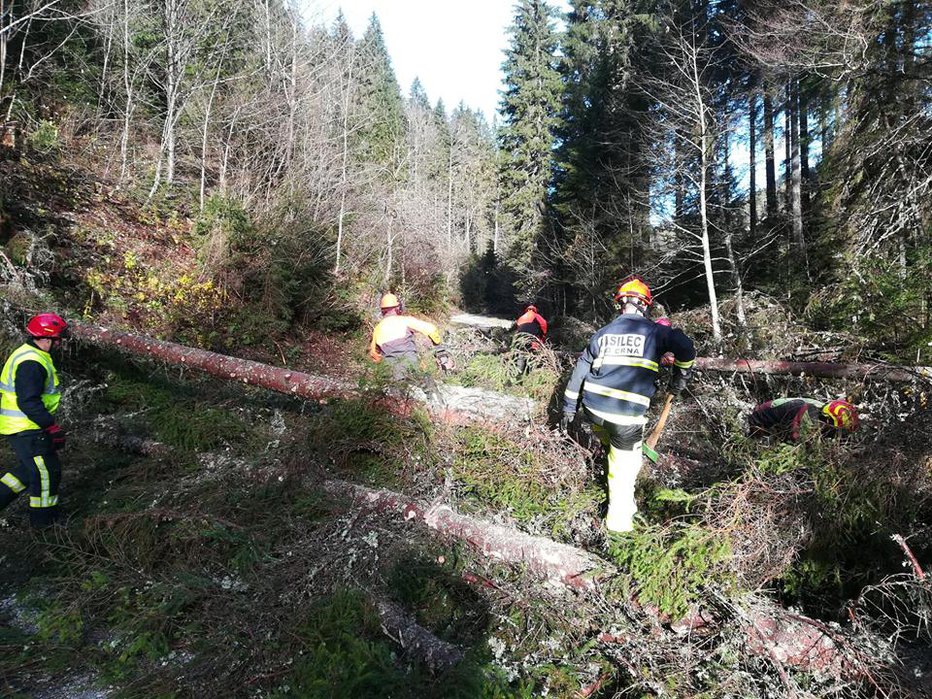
[[633, 290], [842, 414]]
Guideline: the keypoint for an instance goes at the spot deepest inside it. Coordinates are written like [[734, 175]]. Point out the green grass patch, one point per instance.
[[173, 415], [369, 443], [501, 373], [345, 655], [504, 475]]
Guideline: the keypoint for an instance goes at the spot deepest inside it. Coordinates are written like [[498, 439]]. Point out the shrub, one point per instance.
[[44, 138]]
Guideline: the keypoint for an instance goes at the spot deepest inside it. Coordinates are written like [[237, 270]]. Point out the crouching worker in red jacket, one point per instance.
[[533, 325], [785, 417], [29, 396]]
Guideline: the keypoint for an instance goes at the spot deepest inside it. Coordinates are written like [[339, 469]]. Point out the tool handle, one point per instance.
[[655, 435]]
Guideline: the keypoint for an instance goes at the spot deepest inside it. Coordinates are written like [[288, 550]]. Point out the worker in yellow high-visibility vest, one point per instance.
[[393, 339], [29, 396]]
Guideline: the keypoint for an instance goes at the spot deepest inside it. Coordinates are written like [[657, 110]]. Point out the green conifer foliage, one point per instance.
[[530, 106], [381, 128]]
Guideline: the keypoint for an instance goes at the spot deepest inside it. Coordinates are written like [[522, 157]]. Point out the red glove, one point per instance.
[[58, 436], [667, 359]]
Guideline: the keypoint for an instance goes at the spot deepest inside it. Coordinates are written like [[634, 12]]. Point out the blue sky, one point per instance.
[[454, 47]]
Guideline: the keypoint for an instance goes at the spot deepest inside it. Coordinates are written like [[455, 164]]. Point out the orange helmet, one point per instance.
[[389, 300], [634, 287], [47, 325], [843, 415]]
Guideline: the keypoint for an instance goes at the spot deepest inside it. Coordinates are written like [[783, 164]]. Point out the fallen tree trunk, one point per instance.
[[482, 322], [827, 370], [448, 403], [254, 373], [770, 631], [557, 563]]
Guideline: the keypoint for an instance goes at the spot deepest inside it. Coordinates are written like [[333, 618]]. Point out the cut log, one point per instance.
[[557, 563], [825, 370], [483, 322]]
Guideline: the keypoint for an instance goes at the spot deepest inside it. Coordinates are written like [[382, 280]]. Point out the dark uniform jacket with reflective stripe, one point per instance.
[[784, 416], [615, 374]]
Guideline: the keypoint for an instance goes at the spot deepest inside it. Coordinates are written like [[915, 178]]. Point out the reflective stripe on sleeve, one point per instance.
[[572, 395], [13, 483], [617, 393], [684, 365]]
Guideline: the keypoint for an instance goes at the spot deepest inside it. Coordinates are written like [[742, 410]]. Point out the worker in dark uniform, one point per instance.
[[614, 381], [393, 339], [29, 397], [785, 417]]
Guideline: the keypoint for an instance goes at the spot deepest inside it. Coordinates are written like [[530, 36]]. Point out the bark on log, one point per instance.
[[801, 643], [770, 632], [254, 373], [417, 641], [455, 404], [557, 563], [827, 370]]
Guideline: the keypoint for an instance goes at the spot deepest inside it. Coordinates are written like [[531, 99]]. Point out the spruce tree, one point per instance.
[[381, 128], [529, 107]]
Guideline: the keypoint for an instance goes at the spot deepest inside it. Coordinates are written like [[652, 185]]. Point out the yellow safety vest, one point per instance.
[[12, 419]]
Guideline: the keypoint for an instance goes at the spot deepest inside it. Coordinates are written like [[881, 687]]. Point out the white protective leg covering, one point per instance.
[[623, 468]]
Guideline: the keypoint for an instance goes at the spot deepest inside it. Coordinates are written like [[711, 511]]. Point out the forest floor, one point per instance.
[[204, 555]]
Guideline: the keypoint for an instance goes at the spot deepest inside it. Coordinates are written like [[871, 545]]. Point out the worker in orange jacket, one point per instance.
[[393, 339], [533, 324]]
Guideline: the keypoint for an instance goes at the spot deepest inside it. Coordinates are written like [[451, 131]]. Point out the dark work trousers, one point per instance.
[[38, 471]]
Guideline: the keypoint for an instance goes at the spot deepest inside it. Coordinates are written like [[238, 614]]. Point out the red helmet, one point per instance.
[[47, 325], [843, 415], [532, 308], [636, 288]]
